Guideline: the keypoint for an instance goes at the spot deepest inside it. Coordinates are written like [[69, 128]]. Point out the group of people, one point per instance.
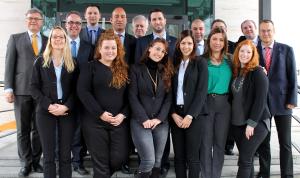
[[106, 88]]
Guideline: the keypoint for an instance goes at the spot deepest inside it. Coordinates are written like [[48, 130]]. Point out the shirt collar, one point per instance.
[[89, 27], [270, 46], [123, 33], [201, 43], [77, 40], [38, 34], [157, 36]]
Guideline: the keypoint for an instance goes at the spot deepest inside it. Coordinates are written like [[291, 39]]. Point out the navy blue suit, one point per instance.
[[85, 34], [143, 42], [282, 91], [129, 47]]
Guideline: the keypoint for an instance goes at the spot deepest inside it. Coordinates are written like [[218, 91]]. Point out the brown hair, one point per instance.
[[118, 67], [254, 61], [165, 65]]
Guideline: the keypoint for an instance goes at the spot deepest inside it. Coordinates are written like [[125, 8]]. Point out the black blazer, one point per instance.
[[143, 42], [195, 85], [129, 47], [145, 104], [282, 78], [255, 91], [43, 86], [85, 53]]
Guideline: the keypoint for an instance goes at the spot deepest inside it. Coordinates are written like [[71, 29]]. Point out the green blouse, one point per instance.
[[219, 77]]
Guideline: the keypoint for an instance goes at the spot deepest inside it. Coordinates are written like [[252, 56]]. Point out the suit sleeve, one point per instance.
[[202, 86], [261, 85], [137, 108], [291, 77], [84, 90], [10, 63], [36, 86]]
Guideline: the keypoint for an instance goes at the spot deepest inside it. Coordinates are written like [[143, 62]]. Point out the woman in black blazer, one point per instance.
[[250, 113], [101, 87], [150, 100], [52, 86], [189, 95]]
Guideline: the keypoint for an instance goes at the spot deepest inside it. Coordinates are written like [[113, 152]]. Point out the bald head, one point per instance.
[[118, 20], [198, 30]]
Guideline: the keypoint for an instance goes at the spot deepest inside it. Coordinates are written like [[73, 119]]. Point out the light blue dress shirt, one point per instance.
[[58, 80]]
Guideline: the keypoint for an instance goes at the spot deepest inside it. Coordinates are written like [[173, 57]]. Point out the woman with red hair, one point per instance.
[[250, 113]]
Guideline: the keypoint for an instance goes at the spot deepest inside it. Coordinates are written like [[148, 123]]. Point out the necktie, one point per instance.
[[120, 37], [93, 36], [199, 50], [268, 57], [34, 44], [73, 49]]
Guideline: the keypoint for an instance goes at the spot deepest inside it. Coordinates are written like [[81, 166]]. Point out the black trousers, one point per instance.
[[50, 128], [28, 140], [186, 143], [107, 144], [214, 131], [247, 148], [283, 126]]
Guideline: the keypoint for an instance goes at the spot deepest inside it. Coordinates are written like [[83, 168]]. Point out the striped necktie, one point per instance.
[[268, 58]]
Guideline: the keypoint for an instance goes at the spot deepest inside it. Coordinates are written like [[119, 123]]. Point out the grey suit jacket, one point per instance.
[[19, 63]]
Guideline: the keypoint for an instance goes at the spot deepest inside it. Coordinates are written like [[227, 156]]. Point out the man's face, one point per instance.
[[92, 15], [140, 28], [266, 33], [119, 20], [198, 30], [158, 22], [73, 25], [34, 22], [249, 30]]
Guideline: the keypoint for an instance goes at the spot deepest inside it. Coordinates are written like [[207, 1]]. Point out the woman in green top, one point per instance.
[[216, 123]]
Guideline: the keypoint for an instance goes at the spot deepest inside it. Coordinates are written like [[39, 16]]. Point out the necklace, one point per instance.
[[237, 89], [152, 80]]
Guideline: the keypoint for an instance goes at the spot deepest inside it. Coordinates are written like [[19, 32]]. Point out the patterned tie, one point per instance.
[[268, 57], [73, 49], [35, 44], [120, 37], [93, 36]]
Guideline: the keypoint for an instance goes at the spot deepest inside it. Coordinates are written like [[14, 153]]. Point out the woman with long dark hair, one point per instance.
[[102, 89], [189, 95], [150, 101]]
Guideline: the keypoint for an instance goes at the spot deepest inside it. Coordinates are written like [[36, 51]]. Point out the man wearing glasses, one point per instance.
[[81, 52], [22, 50]]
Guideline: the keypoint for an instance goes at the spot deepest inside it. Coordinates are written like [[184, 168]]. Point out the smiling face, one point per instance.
[[108, 50], [139, 28], [58, 39], [73, 25], [157, 51], [34, 22], [198, 29], [217, 42], [92, 15], [186, 46], [119, 20], [245, 54], [158, 22], [249, 29]]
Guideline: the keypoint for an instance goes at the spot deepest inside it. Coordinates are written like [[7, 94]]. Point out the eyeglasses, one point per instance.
[[33, 19], [158, 49], [58, 37], [74, 23]]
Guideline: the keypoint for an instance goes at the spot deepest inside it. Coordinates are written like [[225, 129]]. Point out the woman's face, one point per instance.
[[245, 54], [108, 50], [186, 46], [157, 51], [217, 42], [58, 39]]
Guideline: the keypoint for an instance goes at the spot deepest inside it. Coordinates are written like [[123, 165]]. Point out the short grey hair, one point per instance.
[[34, 10], [139, 17]]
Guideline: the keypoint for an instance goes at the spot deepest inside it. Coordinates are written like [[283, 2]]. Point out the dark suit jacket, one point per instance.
[[19, 62], [282, 78], [145, 104], [255, 92], [129, 47], [85, 53], [231, 47], [85, 35], [43, 86], [143, 42], [195, 85]]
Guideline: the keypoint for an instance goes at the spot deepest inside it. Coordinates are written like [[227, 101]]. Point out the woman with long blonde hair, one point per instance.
[[52, 86], [102, 89]]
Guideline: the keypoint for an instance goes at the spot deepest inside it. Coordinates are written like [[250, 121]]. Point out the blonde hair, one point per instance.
[[67, 56]]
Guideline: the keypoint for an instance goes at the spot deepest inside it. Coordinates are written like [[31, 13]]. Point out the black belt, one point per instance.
[[60, 101], [216, 94]]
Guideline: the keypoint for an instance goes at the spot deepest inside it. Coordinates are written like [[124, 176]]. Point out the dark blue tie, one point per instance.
[[93, 36], [73, 49]]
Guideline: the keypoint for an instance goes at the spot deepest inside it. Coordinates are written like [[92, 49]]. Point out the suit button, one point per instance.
[[153, 98], [184, 94]]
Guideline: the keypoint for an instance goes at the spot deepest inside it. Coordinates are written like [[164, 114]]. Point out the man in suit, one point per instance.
[[82, 52], [198, 30], [249, 31], [139, 26], [158, 23], [279, 62], [22, 50], [92, 31], [118, 21]]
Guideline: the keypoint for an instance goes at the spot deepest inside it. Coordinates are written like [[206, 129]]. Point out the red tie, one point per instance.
[[268, 57]]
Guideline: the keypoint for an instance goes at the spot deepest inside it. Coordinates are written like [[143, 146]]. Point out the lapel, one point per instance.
[[28, 45], [187, 72], [126, 42], [147, 78], [44, 43], [275, 53]]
